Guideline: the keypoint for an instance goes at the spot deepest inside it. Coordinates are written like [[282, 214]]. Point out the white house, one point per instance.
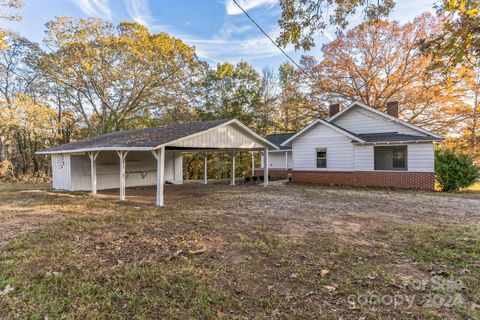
[[361, 146], [150, 156]]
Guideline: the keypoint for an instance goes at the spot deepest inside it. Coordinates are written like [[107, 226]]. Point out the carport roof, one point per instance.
[[141, 139]]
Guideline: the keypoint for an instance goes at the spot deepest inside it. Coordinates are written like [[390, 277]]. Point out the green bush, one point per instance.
[[254, 178], [454, 171], [248, 178]]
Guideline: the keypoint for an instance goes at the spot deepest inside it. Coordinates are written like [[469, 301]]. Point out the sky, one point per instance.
[[219, 31]]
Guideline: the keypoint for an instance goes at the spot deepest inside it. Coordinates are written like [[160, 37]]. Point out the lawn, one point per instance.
[[222, 252]]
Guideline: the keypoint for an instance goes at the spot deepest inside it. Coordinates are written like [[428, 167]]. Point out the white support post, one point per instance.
[[93, 171], [160, 156], [265, 167], [253, 163], [286, 160], [205, 169], [232, 170], [122, 155]]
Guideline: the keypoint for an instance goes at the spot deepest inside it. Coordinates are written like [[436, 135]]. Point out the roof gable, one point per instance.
[[327, 124], [383, 115], [231, 136]]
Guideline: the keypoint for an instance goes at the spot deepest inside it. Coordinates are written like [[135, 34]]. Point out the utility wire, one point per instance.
[[274, 43]]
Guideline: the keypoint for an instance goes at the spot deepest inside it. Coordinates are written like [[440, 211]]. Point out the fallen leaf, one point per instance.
[[198, 251], [330, 288], [324, 272], [6, 290]]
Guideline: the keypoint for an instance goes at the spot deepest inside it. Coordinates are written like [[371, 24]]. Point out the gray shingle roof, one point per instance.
[[393, 137], [278, 139], [147, 138]]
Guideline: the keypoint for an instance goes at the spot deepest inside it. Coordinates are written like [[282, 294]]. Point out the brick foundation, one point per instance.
[[401, 180], [274, 174]]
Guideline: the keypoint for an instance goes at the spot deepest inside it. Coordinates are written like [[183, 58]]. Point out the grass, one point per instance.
[[226, 253], [451, 252]]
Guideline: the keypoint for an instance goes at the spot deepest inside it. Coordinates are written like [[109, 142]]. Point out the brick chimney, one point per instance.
[[333, 109], [392, 108]]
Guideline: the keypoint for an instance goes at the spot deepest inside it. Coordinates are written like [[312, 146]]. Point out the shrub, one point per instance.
[[247, 178], [261, 178], [254, 178], [7, 172], [454, 171]]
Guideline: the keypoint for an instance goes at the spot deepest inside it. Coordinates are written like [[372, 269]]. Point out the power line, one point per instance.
[[274, 43]]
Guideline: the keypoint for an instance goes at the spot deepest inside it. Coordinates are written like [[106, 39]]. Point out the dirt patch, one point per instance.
[[13, 225]]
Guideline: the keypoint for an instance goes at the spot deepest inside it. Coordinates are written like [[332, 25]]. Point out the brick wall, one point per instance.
[[274, 174], [324, 177], [403, 180]]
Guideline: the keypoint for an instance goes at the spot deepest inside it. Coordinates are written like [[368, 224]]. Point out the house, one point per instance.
[[150, 156], [361, 146], [279, 161]]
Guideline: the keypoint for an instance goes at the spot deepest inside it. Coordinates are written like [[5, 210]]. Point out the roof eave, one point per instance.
[[397, 142], [41, 152]]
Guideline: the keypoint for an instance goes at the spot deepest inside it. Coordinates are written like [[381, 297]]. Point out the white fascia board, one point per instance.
[[233, 121], [385, 115], [96, 149], [320, 121], [387, 143]]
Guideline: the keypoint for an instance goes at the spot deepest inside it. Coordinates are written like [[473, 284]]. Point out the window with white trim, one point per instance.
[[390, 158], [321, 157]]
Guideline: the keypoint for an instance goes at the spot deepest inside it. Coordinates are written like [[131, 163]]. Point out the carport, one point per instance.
[[149, 156]]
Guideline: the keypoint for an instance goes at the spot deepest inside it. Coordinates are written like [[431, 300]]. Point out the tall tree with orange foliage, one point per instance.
[[380, 62]]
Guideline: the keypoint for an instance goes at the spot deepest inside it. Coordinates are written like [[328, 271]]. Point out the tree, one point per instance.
[[459, 41], [379, 62], [467, 134], [12, 4], [265, 108], [295, 111], [301, 20], [230, 92], [18, 76], [116, 75], [454, 171], [33, 124]]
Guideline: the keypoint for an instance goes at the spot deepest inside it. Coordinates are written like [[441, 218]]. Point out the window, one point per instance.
[[390, 158], [321, 158]]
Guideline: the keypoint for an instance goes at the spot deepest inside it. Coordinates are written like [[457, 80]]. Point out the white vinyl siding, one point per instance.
[[420, 157], [363, 158], [277, 159], [61, 172], [221, 137], [339, 150], [359, 120]]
